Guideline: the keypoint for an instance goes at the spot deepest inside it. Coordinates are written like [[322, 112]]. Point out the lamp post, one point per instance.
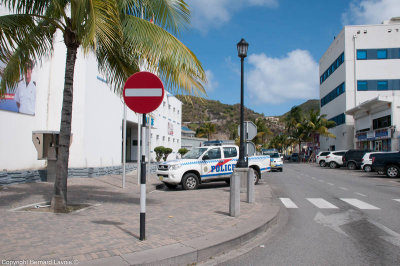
[[242, 53]]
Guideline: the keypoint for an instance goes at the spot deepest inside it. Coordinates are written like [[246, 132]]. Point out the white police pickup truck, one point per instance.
[[207, 164]]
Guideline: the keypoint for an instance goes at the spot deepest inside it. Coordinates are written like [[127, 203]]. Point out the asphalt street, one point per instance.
[[328, 217]]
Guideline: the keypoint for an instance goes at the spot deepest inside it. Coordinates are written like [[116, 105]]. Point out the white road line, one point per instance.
[[360, 204], [321, 203], [331, 184], [288, 203], [344, 188], [397, 200], [313, 178], [358, 193], [322, 181]]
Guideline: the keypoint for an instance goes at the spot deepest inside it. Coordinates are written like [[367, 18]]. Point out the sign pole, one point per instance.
[[143, 183], [124, 150]]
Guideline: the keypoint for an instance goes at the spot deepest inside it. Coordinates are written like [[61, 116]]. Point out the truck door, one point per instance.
[[210, 161]]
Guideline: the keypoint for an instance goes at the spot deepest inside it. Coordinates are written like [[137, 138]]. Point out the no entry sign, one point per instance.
[[143, 92]]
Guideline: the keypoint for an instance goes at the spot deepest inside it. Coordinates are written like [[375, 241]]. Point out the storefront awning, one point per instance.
[[369, 106]]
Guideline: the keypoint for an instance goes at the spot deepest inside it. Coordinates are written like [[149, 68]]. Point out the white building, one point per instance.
[[360, 87], [97, 119]]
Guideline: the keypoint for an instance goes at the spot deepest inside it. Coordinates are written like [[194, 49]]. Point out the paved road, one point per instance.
[[329, 217]]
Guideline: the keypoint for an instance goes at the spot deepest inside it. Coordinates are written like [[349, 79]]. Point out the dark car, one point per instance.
[[352, 159], [387, 162], [294, 157]]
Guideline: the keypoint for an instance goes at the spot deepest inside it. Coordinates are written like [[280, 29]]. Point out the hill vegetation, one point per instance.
[[198, 111]]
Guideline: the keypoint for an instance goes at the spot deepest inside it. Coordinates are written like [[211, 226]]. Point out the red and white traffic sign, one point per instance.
[[143, 92]]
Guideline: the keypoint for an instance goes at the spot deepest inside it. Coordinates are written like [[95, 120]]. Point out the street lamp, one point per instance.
[[242, 53]]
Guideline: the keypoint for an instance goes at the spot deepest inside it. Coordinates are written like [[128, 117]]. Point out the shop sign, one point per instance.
[[362, 136], [370, 135], [382, 134]]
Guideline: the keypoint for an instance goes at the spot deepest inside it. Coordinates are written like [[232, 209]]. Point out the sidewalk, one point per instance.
[[182, 227]]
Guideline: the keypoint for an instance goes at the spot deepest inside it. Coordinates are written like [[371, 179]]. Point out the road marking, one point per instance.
[[334, 221], [360, 204], [393, 238], [331, 184], [313, 178], [344, 188], [397, 200], [321, 203], [322, 181], [358, 193], [288, 203]]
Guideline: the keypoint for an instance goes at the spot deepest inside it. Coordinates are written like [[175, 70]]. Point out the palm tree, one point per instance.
[[207, 129], [262, 131], [118, 32], [318, 124]]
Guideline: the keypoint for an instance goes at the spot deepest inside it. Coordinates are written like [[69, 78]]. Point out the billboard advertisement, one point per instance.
[[23, 98]]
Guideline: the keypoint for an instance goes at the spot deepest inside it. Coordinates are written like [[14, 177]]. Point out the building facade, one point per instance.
[[97, 119], [360, 87]]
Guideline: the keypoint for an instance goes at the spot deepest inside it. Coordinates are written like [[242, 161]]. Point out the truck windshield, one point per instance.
[[194, 154]]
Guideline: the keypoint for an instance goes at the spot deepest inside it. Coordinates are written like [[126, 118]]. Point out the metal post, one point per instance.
[[124, 150], [138, 150], [241, 162], [250, 186], [143, 183]]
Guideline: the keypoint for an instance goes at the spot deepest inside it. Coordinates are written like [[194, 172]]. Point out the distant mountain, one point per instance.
[[197, 111], [306, 107]]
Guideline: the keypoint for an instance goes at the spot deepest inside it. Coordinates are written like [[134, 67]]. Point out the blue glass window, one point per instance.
[[362, 85], [382, 54], [361, 54], [382, 85]]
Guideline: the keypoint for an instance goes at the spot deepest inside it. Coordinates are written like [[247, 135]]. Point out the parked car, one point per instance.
[[367, 160], [352, 159], [276, 162], [387, 162], [334, 159], [321, 158], [294, 157]]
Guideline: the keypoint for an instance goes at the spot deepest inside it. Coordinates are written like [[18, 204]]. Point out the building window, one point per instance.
[[332, 68], [339, 119], [157, 137], [163, 138], [361, 54], [362, 85], [333, 94], [382, 122], [381, 54], [382, 85]]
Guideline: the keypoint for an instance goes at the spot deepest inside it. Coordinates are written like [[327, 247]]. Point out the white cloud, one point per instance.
[[212, 83], [277, 80], [371, 11], [214, 13]]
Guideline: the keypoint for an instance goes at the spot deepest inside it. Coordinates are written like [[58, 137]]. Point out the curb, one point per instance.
[[201, 248]]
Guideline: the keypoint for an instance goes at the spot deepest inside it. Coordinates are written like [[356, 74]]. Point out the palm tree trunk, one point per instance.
[[59, 200]]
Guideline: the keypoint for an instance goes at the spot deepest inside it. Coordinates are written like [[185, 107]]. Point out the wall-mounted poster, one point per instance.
[[170, 129], [23, 98]]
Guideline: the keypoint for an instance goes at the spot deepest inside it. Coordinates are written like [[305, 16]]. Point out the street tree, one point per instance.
[[118, 32], [206, 130]]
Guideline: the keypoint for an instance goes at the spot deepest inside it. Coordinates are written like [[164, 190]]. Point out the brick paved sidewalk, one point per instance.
[[111, 227]]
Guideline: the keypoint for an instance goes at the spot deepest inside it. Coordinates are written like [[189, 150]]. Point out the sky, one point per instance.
[[286, 40]]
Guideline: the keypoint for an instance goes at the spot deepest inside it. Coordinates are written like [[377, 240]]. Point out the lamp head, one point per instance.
[[242, 47]]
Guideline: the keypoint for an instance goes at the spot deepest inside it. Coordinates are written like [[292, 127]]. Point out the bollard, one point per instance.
[[250, 186], [234, 195]]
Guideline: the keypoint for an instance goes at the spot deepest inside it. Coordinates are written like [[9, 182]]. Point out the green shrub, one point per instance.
[[159, 150], [167, 151], [182, 151]]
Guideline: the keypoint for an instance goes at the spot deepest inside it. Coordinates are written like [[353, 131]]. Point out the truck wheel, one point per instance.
[[256, 176], [351, 166], [190, 181], [170, 186], [392, 171], [332, 165], [322, 163], [367, 168]]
